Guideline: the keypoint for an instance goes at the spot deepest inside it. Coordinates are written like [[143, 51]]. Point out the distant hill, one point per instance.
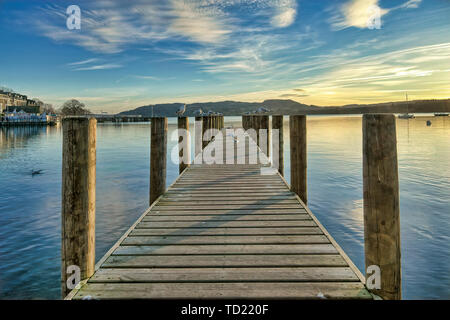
[[288, 107]]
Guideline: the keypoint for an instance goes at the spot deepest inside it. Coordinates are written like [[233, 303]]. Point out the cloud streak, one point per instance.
[[99, 67]]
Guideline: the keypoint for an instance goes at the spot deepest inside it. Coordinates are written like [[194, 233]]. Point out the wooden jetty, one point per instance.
[[227, 230]]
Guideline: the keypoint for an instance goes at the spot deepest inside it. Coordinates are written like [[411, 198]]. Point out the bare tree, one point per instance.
[[6, 89], [73, 108], [38, 102], [48, 108]]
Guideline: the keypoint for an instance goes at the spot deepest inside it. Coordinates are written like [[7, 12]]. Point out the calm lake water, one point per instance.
[[30, 205]]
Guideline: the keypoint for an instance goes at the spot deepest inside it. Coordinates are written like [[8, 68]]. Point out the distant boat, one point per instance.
[[406, 116], [441, 114]]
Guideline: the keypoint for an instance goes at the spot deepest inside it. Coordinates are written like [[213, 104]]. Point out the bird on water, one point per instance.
[[35, 172]]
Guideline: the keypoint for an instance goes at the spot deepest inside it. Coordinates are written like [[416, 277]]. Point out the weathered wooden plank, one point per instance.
[[243, 182], [209, 203], [224, 224], [278, 142], [78, 198], [229, 207], [226, 189], [226, 231], [229, 194], [381, 202], [213, 175], [265, 274], [235, 186], [227, 217], [229, 239], [224, 178], [266, 290], [227, 249], [158, 155], [217, 196], [225, 261], [232, 175], [298, 144], [183, 143], [239, 212]]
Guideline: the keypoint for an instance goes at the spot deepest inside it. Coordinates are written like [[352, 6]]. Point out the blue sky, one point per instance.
[[132, 53]]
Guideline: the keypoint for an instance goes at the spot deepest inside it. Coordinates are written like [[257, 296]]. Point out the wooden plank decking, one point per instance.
[[226, 231]]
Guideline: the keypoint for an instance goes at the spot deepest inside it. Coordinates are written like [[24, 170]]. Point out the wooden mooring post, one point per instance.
[[198, 135], [205, 127], [297, 132], [184, 143], [381, 203], [264, 134], [278, 142], [245, 122], [78, 200], [255, 126], [158, 151]]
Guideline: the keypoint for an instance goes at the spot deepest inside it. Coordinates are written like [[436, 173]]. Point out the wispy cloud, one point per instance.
[[146, 77], [411, 4], [371, 75], [111, 26], [219, 36], [292, 95], [285, 15], [99, 67], [87, 61], [357, 13]]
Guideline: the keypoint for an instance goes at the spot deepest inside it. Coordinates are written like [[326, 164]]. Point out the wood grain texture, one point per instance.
[[158, 156], [237, 290], [78, 197], [226, 231], [278, 142], [236, 261], [184, 145], [381, 202], [198, 135], [297, 129]]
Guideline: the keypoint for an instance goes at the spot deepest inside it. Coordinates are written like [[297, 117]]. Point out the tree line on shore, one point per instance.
[[71, 107]]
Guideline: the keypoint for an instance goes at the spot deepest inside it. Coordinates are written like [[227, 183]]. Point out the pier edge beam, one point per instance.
[[381, 202], [298, 155], [158, 155], [277, 123], [184, 144], [78, 197]]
